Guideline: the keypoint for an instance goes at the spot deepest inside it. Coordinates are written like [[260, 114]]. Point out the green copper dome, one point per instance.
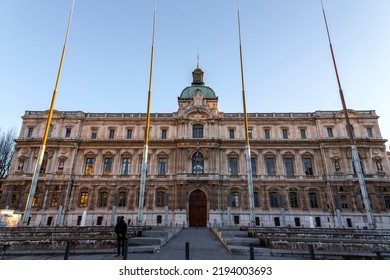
[[189, 92]]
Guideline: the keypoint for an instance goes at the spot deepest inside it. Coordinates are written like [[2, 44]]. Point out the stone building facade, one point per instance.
[[301, 162]]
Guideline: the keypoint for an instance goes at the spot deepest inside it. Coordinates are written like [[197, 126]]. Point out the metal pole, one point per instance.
[[247, 147], [45, 136], [355, 154], [145, 153]]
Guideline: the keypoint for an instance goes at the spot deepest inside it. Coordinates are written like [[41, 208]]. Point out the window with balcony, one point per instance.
[[107, 166], [162, 166], [233, 165], [125, 170], [89, 165], [313, 199], [122, 196], [30, 132], [54, 200], [102, 199], [344, 201], [369, 132], [273, 198], [270, 163], [293, 196], [235, 199], [197, 163], [289, 165], [83, 200], [307, 166]]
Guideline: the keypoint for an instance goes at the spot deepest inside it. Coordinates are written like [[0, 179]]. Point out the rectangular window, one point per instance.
[[83, 199], [307, 165], [344, 202], [68, 132], [102, 199], [293, 199], [231, 133], [122, 199], [129, 134], [99, 220], [89, 163], [111, 134], [270, 166], [297, 222], [35, 200], [256, 199], [250, 133], [54, 200], [236, 220], [330, 132], [125, 166], [303, 133], [277, 221], [267, 133], [163, 134], [30, 132], [313, 200], [273, 197], [235, 199], [288, 162], [162, 166], [318, 221], [160, 199], [197, 131], [94, 134], [233, 168], [107, 167], [387, 202], [253, 165], [369, 132], [285, 133]]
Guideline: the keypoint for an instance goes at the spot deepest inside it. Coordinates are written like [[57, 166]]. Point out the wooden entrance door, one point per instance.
[[198, 209]]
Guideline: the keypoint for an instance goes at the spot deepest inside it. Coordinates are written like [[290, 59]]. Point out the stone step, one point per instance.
[[241, 241], [138, 241]]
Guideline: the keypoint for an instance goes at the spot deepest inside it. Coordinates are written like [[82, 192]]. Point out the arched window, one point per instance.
[[197, 131], [197, 163], [162, 165], [83, 200]]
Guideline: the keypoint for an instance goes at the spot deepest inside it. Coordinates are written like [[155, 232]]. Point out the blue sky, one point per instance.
[[287, 62]]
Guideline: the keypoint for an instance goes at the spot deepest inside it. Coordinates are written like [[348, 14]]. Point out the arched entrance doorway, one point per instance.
[[198, 209]]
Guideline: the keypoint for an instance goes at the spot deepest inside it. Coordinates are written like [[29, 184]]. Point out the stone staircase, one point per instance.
[[151, 240], [236, 241]]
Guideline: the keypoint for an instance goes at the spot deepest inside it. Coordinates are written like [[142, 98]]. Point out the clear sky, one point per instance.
[[287, 61]]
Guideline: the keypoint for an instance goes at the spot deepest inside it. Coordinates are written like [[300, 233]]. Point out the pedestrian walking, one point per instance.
[[121, 234]]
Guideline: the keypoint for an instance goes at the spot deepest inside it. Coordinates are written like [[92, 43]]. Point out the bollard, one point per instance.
[[379, 255], [311, 249], [251, 251], [67, 250], [187, 250], [125, 248]]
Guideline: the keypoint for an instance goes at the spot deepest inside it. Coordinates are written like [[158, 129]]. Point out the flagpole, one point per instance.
[[355, 154], [247, 147], [45, 136], [146, 146]]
